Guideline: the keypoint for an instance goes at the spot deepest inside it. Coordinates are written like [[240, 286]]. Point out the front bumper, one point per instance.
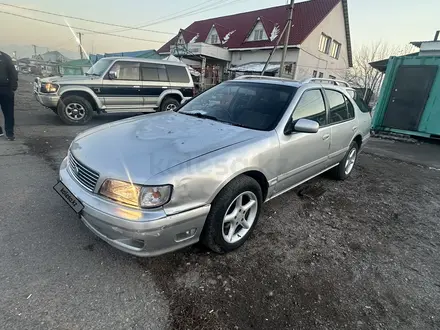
[[48, 100], [139, 232]]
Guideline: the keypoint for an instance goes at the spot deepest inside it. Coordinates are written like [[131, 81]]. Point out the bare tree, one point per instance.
[[363, 75]]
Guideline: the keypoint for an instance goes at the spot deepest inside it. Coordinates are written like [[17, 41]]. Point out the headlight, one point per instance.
[[49, 88], [136, 195]]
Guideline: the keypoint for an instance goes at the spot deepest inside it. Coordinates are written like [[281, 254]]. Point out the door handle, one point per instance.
[[164, 87], [325, 136], [354, 128], [136, 86]]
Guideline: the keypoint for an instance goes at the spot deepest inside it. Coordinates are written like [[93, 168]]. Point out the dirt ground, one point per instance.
[[358, 254]]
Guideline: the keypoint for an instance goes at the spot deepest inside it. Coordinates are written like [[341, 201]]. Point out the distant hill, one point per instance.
[[27, 51]]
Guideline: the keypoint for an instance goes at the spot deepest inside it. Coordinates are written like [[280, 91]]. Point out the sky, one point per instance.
[[393, 21]]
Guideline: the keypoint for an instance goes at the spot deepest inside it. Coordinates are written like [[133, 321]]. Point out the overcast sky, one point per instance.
[[394, 21]]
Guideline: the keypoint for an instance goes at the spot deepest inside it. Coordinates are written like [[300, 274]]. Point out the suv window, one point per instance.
[[311, 106], [341, 108], [363, 106], [126, 70], [177, 74], [154, 72]]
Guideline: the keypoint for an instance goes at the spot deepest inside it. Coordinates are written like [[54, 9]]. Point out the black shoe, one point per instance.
[[1, 131], [10, 137]]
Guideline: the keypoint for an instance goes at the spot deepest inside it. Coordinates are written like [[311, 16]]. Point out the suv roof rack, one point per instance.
[[328, 81], [262, 77]]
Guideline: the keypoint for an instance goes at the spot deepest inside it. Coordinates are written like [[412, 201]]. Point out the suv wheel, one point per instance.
[[345, 167], [75, 110], [169, 104], [233, 215]]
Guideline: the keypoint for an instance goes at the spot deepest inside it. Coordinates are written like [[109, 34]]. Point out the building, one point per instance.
[[149, 53], [408, 100], [222, 47]]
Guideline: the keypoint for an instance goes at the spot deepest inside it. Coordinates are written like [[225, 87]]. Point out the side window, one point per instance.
[[154, 72], [126, 70], [311, 106], [177, 74], [338, 104], [363, 106]]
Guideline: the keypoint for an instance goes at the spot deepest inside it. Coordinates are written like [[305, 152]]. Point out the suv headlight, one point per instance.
[[49, 88], [136, 195]]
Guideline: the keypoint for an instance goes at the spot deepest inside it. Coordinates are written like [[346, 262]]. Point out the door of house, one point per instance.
[[409, 96]]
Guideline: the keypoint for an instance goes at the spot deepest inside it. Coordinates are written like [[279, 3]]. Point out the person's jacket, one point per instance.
[[8, 74]]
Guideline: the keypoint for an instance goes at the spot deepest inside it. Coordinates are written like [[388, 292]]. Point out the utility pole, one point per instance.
[[35, 49], [80, 43], [286, 40]]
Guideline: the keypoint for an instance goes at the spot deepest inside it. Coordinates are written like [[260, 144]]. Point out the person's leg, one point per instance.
[[7, 104], [1, 107]]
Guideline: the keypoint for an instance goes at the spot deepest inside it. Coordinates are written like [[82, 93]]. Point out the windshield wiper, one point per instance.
[[92, 74], [200, 115]]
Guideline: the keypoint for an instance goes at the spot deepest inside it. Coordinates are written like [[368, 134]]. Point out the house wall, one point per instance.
[[310, 58], [261, 55]]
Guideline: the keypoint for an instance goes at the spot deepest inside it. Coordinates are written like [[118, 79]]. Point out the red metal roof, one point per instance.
[[306, 16]]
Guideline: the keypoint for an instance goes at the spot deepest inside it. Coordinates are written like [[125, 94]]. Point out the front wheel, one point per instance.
[[75, 110], [233, 216], [169, 104], [345, 167]]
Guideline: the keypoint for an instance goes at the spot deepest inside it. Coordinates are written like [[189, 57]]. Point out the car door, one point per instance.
[[154, 83], [303, 155], [123, 91], [343, 124]]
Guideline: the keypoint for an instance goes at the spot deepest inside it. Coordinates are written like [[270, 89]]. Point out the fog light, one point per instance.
[[186, 235]]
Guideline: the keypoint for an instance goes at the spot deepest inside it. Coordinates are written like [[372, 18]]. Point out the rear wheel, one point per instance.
[[75, 110], [345, 167], [169, 104], [233, 216]]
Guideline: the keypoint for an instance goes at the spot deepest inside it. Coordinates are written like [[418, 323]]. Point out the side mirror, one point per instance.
[[112, 75], [301, 126]]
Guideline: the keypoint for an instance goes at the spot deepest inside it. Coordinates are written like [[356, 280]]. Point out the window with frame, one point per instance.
[[126, 70], [315, 73], [311, 106], [258, 34], [341, 109], [321, 75], [335, 49], [214, 38], [331, 77], [154, 72], [324, 43]]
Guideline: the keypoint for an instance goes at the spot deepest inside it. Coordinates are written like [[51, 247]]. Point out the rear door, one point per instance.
[[123, 92], [154, 82], [409, 96], [342, 122], [180, 79]]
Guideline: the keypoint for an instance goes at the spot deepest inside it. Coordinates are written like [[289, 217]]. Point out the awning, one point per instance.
[[255, 67]]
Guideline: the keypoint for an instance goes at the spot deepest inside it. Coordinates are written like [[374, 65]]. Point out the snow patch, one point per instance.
[[193, 40], [275, 32], [227, 36]]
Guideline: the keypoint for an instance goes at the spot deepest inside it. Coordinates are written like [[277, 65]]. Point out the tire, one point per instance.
[[215, 230], [169, 104], [67, 107], [341, 172]]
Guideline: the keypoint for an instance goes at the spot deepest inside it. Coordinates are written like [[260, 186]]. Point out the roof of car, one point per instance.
[[294, 83], [144, 60]]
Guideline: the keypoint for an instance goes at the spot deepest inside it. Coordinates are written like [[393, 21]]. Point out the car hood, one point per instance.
[[68, 79], [138, 148]]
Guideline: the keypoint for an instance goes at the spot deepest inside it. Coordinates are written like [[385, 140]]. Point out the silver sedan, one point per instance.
[[157, 183]]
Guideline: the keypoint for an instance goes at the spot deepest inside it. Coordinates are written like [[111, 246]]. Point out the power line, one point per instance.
[[139, 26], [84, 19], [80, 28], [194, 12]]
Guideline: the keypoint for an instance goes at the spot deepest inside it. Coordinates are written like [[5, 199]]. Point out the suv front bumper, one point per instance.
[[48, 100], [142, 233]]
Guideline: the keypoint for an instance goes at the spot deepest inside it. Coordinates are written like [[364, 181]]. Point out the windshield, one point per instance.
[[99, 67], [249, 104]]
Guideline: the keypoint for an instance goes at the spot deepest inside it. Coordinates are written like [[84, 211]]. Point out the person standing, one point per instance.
[[8, 85]]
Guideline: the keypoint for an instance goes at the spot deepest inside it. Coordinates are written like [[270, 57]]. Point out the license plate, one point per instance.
[[70, 198]]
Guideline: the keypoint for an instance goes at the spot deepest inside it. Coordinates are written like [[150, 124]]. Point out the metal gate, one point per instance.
[[409, 96]]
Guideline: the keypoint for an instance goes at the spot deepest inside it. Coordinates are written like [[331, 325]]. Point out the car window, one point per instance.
[[363, 106], [177, 74], [126, 70], [311, 106], [250, 104], [350, 107], [338, 107], [154, 72]]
